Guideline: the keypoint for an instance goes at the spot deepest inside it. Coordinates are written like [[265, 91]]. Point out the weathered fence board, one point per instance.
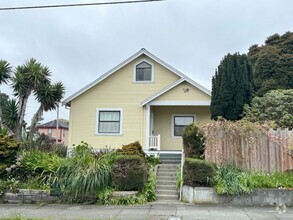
[[267, 153]]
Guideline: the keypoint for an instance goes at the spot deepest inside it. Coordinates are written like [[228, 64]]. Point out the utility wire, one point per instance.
[[74, 5]]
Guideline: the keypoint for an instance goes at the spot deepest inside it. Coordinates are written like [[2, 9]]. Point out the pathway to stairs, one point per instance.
[[166, 178]]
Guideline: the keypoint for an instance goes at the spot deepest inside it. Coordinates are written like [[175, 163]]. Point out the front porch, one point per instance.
[[164, 126]]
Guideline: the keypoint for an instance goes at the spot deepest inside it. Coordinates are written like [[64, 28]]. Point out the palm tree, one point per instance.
[[49, 97], [5, 70], [27, 78], [10, 114]]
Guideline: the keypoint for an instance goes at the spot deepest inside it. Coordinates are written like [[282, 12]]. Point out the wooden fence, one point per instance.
[[266, 152]]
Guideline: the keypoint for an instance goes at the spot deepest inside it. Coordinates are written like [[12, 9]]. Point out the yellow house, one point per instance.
[[142, 99]]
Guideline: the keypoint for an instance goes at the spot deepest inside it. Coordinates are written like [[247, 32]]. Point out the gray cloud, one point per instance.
[[80, 44]]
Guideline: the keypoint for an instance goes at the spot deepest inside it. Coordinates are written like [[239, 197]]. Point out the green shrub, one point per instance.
[[132, 149], [179, 179], [83, 176], [38, 164], [147, 194], [152, 160], [231, 180], [129, 172], [198, 172], [272, 180], [8, 150], [193, 142], [148, 190]]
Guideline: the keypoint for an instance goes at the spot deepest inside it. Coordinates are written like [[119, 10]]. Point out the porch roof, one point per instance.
[[150, 99]]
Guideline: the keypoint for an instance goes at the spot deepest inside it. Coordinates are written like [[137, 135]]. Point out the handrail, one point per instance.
[[181, 174]]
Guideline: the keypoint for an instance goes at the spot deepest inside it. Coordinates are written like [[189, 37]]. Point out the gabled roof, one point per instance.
[[171, 86], [53, 124], [127, 61]]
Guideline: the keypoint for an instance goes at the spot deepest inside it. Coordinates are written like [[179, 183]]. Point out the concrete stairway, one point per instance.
[[166, 183]]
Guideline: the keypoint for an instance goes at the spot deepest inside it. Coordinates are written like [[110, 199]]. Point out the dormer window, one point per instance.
[[143, 72]]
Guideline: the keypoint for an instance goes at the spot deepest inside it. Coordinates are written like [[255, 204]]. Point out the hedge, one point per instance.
[[129, 172], [198, 172]]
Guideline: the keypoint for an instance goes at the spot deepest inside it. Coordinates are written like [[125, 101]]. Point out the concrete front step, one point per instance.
[[167, 197], [162, 155], [166, 202], [170, 161], [168, 167], [166, 170], [166, 187], [170, 158], [166, 178], [166, 182], [165, 173], [166, 192]]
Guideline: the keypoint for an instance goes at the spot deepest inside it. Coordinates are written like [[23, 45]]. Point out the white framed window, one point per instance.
[[109, 121], [179, 122], [143, 72]]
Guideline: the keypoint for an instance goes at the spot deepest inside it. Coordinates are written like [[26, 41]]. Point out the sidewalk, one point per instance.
[[150, 211]]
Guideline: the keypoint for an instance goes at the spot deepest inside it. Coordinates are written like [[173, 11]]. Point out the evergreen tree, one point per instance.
[[232, 87], [272, 63]]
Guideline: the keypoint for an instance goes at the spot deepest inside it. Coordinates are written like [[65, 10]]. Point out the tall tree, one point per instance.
[[49, 97], [273, 63], [10, 114], [232, 87], [27, 78], [5, 70]]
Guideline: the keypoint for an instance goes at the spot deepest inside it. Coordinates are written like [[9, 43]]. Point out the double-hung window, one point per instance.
[[109, 121], [143, 72], [180, 122]]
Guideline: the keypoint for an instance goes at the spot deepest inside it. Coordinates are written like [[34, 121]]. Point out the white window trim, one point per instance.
[[134, 72], [97, 122], [172, 123]]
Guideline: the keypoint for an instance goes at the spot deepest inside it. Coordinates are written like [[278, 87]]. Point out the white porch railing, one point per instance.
[[155, 142]]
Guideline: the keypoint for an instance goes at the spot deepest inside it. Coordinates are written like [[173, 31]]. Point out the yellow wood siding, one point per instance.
[[184, 92], [116, 91], [163, 123]]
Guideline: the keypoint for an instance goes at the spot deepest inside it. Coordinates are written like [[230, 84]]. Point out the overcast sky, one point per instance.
[[79, 44]]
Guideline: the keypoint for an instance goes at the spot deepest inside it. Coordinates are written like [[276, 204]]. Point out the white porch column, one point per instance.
[[147, 129]]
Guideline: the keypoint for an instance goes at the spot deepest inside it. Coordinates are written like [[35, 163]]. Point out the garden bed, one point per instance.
[[259, 197]]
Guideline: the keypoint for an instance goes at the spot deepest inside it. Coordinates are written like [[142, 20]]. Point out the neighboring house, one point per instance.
[[142, 99], [59, 133]]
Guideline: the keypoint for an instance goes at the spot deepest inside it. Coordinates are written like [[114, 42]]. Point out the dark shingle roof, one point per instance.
[[53, 124]]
